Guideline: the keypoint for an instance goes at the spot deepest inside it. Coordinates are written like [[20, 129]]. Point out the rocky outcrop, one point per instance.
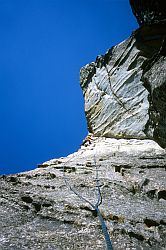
[[149, 11], [125, 98], [38, 210], [124, 89], [116, 102]]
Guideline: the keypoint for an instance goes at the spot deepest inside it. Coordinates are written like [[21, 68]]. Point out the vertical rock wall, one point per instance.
[[124, 89], [116, 102]]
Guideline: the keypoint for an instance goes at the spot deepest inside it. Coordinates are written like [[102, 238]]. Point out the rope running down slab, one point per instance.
[[96, 206]]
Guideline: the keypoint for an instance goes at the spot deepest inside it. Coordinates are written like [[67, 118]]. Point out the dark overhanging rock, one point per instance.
[[155, 81], [149, 11]]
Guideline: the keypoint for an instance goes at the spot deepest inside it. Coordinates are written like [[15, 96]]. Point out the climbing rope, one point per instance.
[[96, 206], [104, 229]]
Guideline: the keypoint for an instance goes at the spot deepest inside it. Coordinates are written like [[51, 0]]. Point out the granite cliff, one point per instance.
[[125, 105], [125, 89]]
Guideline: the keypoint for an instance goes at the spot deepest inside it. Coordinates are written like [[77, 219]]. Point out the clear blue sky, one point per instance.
[[43, 45]]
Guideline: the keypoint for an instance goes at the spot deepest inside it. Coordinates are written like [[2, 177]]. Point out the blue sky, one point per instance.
[[43, 45]]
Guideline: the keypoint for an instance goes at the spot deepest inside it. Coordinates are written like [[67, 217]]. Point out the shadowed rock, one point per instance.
[[149, 11]]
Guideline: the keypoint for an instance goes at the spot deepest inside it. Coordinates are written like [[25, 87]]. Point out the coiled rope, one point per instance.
[[96, 206]]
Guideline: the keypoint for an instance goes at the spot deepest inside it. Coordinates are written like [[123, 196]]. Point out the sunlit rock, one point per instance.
[[124, 90]]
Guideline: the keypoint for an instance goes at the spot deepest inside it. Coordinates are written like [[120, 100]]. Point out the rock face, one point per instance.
[[155, 81], [116, 102], [124, 89], [149, 11], [38, 210], [125, 97]]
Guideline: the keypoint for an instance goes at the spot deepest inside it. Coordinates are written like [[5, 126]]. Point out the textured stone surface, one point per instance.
[[149, 11], [38, 211], [155, 81], [125, 97], [124, 89], [116, 103]]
